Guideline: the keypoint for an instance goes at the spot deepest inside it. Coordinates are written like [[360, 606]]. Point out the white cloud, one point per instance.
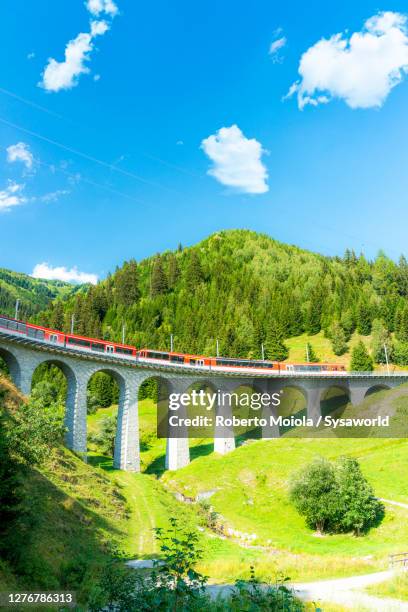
[[102, 6], [237, 160], [98, 28], [43, 270], [64, 75], [53, 196], [31, 56], [361, 69], [277, 45], [20, 152], [11, 196]]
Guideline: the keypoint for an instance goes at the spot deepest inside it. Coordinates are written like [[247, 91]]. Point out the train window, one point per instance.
[[176, 359], [110, 348], [13, 325], [154, 355], [79, 342], [32, 332], [124, 351], [97, 347], [53, 338]]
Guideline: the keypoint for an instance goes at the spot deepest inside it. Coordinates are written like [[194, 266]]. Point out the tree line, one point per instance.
[[247, 291]]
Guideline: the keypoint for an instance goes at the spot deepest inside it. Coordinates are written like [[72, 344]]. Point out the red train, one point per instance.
[[52, 336]]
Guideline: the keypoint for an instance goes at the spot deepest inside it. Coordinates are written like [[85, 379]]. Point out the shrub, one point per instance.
[[312, 491], [335, 497]]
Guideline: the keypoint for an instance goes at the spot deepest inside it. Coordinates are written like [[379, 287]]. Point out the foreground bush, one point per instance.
[[175, 584]]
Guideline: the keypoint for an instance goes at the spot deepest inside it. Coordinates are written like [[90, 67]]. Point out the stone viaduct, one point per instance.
[[24, 355]]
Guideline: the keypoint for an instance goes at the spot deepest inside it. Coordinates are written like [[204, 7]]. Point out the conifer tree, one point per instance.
[[310, 355], [194, 271], [173, 272], [127, 283], [402, 330], [363, 318], [57, 316], [360, 359], [275, 348], [159, 279], [314, 312], [338, 339]]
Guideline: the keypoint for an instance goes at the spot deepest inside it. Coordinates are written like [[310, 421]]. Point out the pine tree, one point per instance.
[[310, 355], [314, 312], [402, 276], [338, 339], [359, 508], [159, 279], [363, 318], [348, 323], [103, 388], [275, 348], [173, 271], [127, 283], [57, 316], [360, 359], [402, 330], [194, 271]]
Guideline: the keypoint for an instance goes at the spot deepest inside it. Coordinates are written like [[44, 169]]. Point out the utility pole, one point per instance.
[[263, 352], [386, 358], [72, 323], [17, 308], [171, 343], [123, 332], [218, 348]]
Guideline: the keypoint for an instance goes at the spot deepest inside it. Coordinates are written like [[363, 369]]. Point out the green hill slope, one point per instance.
[[74, 514], [34, 294], [244, 289], [249, 492], [247, 489]]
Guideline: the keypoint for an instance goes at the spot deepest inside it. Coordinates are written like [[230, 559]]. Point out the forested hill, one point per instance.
[[245, 289], [34, 294]]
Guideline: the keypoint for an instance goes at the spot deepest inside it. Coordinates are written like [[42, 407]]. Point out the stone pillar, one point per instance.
[[177, 446], [224, 439], [270, 431], [357, 392], [23, 381], [127, 446], [21, 364], [75, 414], [314, 390]]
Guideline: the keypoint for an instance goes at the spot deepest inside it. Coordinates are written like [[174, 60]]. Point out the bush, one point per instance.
[[335, 497], [312, 491], [105, 439], [174, 584]]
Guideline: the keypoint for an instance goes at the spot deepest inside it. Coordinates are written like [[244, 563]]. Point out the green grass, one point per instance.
[[252, 497], [323, 349], [397, 588]]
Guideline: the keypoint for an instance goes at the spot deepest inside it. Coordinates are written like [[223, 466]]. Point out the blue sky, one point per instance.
[[140, 153]]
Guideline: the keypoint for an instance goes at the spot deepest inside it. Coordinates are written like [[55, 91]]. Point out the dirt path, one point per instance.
[[394, 503], [349, 592], [344, 591]]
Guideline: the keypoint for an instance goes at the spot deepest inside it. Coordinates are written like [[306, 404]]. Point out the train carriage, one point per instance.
[[115, 349]]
